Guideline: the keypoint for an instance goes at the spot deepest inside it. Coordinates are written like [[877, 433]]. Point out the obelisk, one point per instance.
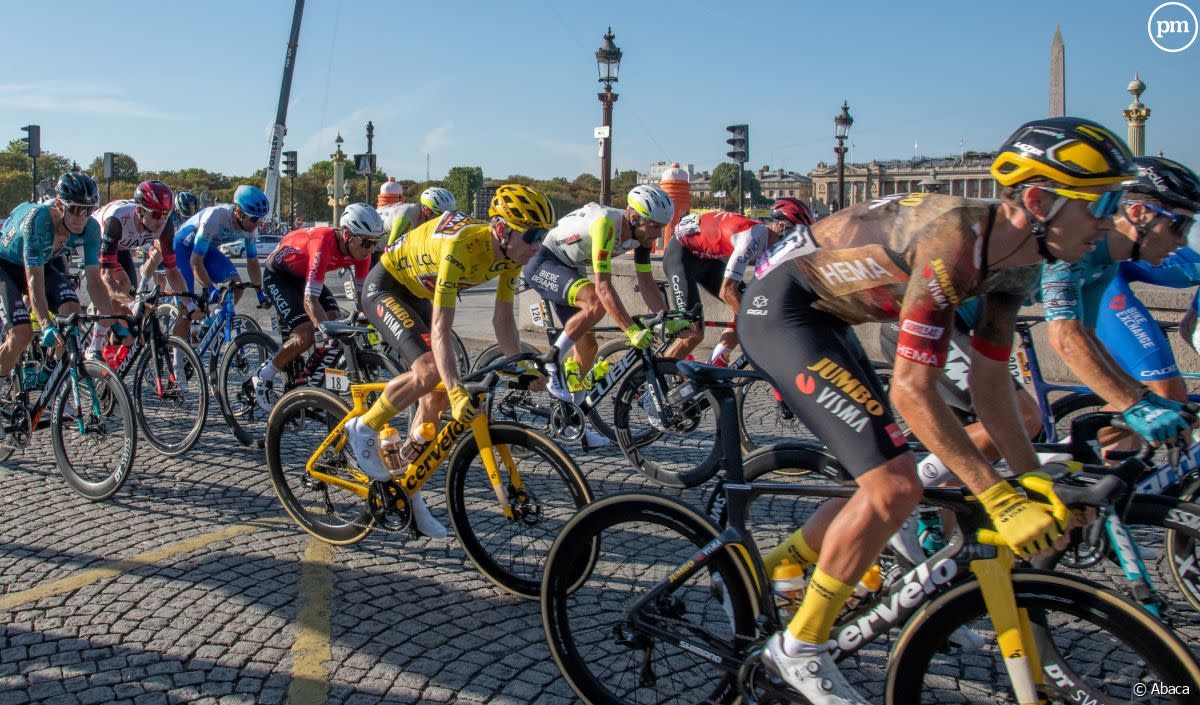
[[1058, 85]]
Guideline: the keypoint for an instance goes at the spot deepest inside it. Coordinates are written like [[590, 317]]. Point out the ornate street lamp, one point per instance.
[[339, 193], [608, 64], [842, 124]]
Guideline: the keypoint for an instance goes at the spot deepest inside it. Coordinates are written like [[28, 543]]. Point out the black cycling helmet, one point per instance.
[[78, 188], [1071, 151], [186, 204], [1167, 181]]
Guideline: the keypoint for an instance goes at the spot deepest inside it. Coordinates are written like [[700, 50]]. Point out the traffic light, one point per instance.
[[740, 142], [289, 164], [33, 141]]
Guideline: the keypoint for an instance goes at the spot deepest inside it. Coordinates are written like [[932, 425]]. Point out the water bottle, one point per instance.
[[389, 447], [870, 583], [929, 529], [788, 585], [596, 373], [412, 449]]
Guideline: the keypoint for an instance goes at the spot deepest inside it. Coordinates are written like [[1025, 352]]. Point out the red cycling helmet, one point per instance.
[[154, 196], [792, 210]]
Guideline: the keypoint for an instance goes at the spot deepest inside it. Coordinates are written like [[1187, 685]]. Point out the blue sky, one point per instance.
[[512, 86]]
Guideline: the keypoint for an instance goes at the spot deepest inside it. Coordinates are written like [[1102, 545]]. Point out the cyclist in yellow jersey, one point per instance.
[[410, 296], [589, 238]]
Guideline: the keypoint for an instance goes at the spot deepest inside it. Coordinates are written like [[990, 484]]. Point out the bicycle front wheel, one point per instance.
[[1094, 647], [93, 431], [512, 552], [248, 352], [170, 410], [297, 426], [609, 657]]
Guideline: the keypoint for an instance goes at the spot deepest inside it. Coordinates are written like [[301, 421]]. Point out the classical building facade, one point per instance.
[[965, 175]]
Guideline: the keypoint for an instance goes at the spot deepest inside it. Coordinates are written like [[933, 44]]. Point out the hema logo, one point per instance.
[[1172, 27]]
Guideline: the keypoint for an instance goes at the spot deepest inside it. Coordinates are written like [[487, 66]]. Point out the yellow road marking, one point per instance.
[[87, 577], [310, 651]]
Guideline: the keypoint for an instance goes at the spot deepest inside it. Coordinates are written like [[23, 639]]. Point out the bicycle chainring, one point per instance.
[[390, 506], [566, 421], [18, 425]]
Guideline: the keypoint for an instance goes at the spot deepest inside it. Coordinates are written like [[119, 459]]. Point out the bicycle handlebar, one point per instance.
[[482, 380], [1065, 492]]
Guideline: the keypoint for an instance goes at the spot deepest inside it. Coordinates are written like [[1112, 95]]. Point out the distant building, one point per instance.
[[963, 175], [654, 176], [781, 182]]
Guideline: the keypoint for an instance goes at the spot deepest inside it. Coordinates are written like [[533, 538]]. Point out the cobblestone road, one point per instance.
[[190, 586]]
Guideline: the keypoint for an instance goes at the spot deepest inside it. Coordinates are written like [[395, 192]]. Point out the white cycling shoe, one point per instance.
[[558, 389], [813, 675], [592, 440], [423, 519], [364, 446]]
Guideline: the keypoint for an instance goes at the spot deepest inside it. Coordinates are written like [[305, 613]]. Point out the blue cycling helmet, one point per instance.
[[251, 200], [186, 204]]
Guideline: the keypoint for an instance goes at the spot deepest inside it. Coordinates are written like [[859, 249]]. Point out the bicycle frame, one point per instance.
[[222, 326], [435, 453], [990, 563]]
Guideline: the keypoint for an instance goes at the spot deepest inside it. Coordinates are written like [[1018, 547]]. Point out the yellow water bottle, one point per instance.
[[788, 585]]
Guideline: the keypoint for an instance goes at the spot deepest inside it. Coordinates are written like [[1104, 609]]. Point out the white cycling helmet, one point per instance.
[[362, 220], [438, 199], [653, 203]]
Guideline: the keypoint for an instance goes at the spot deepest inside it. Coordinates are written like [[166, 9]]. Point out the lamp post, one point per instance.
[[842, 123], [370, 147], [608, 64], [339, 196]]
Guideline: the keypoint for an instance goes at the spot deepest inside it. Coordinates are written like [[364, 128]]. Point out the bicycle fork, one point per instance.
[[1014, 632], [483, 438]]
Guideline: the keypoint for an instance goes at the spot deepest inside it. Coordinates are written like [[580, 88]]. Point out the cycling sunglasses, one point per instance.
[[156, 215], [1179, 223], [251, 218], [75, 209], [1101, 205]]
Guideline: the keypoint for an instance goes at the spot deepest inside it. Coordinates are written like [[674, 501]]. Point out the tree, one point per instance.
[[124, 168], [463, 182], [725, 178], [621, 185], [16, 170]]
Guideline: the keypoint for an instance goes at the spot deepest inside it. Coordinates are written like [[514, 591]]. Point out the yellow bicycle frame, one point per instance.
[[419, 471]]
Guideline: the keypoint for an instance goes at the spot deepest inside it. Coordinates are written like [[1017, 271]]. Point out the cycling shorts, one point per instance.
[[555, 281], [819, 367], [218, 266], [402, 319], [13, 285], [686, 273], [287, 293], [1131, 336]]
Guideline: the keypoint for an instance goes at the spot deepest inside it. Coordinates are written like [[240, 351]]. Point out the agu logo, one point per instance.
[[1172, 27]]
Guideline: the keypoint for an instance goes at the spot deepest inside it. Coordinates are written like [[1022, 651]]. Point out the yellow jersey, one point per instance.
[[452, 252]]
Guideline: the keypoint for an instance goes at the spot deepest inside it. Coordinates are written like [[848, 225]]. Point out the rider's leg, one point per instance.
[[183, 322], [581, 294], [19, 337]]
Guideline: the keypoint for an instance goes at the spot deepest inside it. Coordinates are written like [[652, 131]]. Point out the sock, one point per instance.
[[99, 336], [721, 353], [795, 549], [552, 369], [379, 414], [823, 599], [177, 359], [933, 471], [563, 344], [268, 371]]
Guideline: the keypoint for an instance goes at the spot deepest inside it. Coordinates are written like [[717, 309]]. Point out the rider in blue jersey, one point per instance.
[[33, 241], [1158, 209]]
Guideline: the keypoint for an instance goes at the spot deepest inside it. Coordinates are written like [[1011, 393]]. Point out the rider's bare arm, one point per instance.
[[441, 340], [651, 294], [1085, 355], [996, 403]]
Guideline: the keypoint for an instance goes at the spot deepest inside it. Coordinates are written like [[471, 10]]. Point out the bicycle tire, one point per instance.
[[116, 405], [790, 461], [284, 422], [521, 406], [487, 536], [569, 578], [1039, 591], [1180, 518], [240, 410], [685, 473], [492, 353], [462, 358], [611, 351], [154, 433], [1064, 407]]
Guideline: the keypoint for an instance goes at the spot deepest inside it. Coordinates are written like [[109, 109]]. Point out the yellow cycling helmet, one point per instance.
[[522, 207], [1071, 151]]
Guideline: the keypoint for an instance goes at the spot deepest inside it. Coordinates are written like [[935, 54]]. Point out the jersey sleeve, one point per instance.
[[39, 239], [451, 270], [205, 232], [939, 274], [251, 241], [318, 264], [91, 244], [166, 245], [997, 319], [506, 287], [361, 268], [1179, 271], [748, 246], [110, 240], [400, 226], [1062, 292], [641, 259], [604, 242]]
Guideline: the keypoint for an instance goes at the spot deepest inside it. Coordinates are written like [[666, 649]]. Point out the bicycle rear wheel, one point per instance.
[[93, 431], [241, 359], [608, 657], [170, 411], [1094, 647], [298, 424], [512, 553], [765, 418]]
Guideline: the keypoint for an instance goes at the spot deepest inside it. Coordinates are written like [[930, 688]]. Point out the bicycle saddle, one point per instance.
[[711, 374], [334, 329]]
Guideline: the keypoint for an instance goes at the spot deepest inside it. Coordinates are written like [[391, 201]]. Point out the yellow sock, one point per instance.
[[379, 414], [823, 599], [795, 549]]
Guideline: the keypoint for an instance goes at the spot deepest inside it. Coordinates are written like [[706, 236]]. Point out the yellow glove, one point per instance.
[[462, 406], [639, 337], [527, 368], [1027, 527]]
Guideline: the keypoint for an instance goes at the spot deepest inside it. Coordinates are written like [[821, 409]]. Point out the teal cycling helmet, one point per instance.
[[251, 200]]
